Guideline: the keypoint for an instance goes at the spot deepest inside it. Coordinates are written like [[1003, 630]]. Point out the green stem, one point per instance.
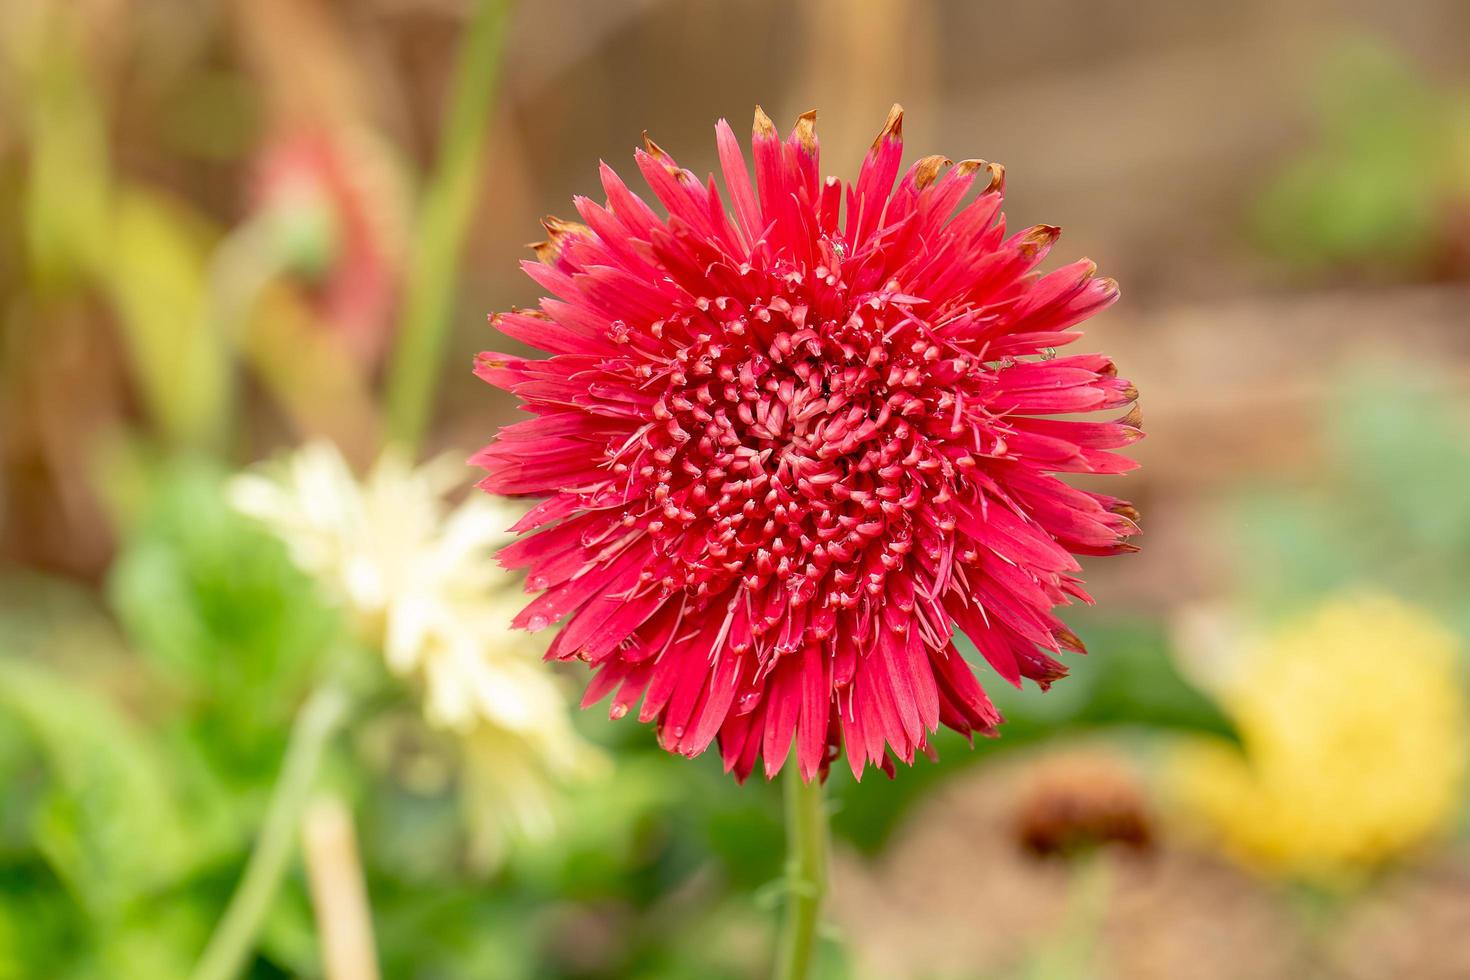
[[448, 202], [806, 873], [234, 938]]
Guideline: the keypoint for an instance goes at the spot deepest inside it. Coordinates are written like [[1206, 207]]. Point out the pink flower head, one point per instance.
[[788, 451]]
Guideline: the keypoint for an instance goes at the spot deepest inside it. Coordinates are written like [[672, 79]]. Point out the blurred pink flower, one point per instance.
[[341, 202], [787, 452]]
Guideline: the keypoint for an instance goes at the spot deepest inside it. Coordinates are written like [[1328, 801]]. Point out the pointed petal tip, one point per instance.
[[558, 231], [653, 148], [893, 128], [1069, 641], [1124, 509], [1042, 235], [763, 128], [966, 168], [926, 171], [558, 227], [806, 130], [997, 177]]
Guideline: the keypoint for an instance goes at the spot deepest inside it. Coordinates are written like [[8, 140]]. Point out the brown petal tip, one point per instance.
[[558, 231], [653, 148], [806, 130], [893, 128], [1069, 640], [997, 177], [1134, 418], [927, 169], [763, 128], [1124, 509], [1038, 239], [1042, 235], [559, 228]]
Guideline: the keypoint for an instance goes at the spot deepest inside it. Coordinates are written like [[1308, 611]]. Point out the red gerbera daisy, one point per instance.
[[788, 451]]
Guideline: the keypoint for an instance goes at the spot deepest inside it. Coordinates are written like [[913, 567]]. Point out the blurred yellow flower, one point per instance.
[[1354, 724], [418, 577]]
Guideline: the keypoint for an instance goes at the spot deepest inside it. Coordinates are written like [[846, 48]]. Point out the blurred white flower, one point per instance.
[[419, 578]]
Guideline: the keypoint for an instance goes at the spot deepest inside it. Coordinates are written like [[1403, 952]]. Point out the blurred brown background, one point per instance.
[[1146, 130], [1282, 187]]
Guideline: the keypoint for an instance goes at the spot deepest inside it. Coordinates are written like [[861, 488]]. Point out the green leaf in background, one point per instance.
[[610, 836], [1369, 194], [455, 931], [37, 918], [1298, 548], [1128, 681], [155, 277], [289, 940], [215, 604], [1400, 440], [109, 824], [1390, 514]]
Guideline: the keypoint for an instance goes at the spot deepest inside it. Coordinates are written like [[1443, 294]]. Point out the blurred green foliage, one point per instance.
[[1391, 512], [221, 614], [136, 769], [1379, 191], [139, 770], [137, 763]]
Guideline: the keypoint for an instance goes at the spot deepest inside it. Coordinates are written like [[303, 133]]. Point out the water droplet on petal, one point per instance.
[[536, 623], [537, 582], [1047, 353], [617, 711]]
